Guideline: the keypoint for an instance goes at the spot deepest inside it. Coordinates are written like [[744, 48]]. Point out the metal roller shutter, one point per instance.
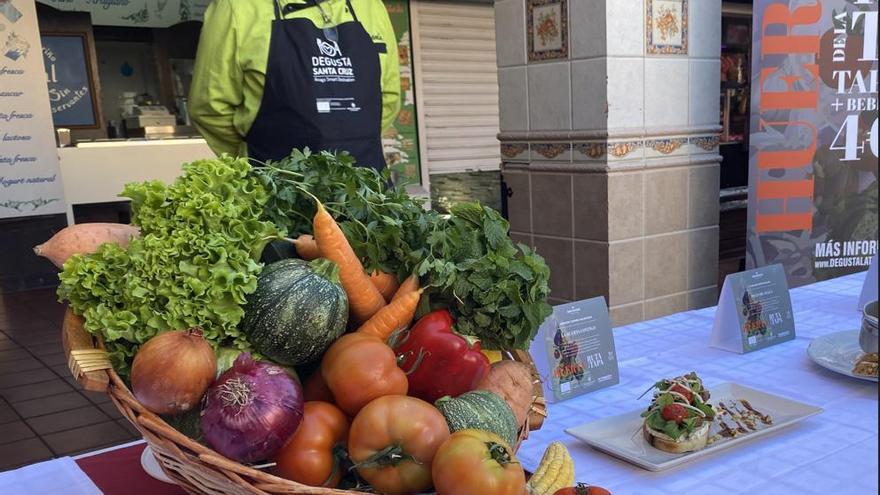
[[456, 85]]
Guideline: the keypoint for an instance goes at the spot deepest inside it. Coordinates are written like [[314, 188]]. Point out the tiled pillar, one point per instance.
[[609, 136]]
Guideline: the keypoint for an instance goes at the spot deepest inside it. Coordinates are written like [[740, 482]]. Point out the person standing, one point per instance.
[[276, 75]]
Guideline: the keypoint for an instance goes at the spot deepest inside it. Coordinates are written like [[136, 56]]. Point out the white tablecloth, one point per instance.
[[836, 449]]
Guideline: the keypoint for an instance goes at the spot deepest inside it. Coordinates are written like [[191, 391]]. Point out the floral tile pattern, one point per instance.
[[547, 24], [666, 26]]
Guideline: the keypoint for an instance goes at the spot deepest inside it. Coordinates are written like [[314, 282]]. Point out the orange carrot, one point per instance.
[[396, 315], [364, 299], [409, 285], [386, 283], [306, 247]]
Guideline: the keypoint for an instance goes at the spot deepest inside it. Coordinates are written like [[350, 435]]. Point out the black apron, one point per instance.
[[320, 93]]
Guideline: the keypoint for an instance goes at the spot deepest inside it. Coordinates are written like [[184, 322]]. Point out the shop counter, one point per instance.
[[96, 172]]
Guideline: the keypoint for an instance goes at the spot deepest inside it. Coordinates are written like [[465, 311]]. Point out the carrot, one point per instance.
[[409, 285], [396, 315], [387, 283], [364, 299], [84, 238], [306, 247]]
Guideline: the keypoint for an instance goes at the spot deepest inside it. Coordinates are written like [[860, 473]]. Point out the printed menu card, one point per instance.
[[754, 311], [574, 350]]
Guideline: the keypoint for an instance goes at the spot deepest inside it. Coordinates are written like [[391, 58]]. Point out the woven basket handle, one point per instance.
[[86, 358]]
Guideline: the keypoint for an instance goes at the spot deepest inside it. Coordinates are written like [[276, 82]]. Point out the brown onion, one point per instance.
[[172, 371]]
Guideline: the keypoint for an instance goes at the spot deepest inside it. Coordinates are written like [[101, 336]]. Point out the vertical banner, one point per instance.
[[401, 141], [813, 146], [30, 182]]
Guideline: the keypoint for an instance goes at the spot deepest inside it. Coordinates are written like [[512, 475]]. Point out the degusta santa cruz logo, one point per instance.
[[329, 48], [330, 65]]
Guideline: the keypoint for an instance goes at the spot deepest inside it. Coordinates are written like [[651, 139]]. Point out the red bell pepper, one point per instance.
[[437, 360]]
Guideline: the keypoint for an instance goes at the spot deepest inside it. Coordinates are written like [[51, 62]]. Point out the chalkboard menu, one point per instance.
[[71, 92]]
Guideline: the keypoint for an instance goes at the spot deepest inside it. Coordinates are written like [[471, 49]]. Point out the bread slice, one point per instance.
[[696, 440]]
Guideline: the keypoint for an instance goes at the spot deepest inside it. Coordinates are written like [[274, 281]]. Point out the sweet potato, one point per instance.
[[512, 381], [84, 238]]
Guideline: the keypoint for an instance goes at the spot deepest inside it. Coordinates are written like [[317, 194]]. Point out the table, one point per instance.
[[835, 449]]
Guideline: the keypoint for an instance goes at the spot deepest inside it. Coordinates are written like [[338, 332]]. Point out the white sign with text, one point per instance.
[[754, 311], [30, 181]]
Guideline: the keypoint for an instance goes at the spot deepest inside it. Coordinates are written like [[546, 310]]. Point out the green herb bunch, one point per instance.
[[193, 264], [465, 260]]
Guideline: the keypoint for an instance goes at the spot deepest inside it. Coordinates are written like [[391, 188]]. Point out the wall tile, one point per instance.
[[510, 26], [666, 92], [519, 203], [702, 298], [560, 258], [522, 239], [666, 264], [552, 204], [705, 79], [625, 206], [666, 201], [626, 269], [591, 206], [512, 93], [656, 308], [549, 97], [702, 258], [626, 314], [626, 96], [705, 28], [589, 94], [590, 269], [625, 27], [588, 20], [703, 201]]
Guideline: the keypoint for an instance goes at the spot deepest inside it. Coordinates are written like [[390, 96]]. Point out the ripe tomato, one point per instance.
[[476, 462], [358, 368], [683, 391], [582, 489], [315, 389], [313, 454], [392, 443], [674, 412]]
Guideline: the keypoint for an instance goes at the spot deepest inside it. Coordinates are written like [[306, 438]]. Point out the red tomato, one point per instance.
[[358, 368], [475, 462], [582, 489], [313, 454], [674, 412], [683, 391], [393, 441]]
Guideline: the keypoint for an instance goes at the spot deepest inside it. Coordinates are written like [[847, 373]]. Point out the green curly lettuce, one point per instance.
[[193, 265]]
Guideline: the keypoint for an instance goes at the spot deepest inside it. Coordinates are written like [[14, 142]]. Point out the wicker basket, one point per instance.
[[193, 466]]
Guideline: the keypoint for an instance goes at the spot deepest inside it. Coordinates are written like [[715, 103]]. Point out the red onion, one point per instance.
[[251, 410]]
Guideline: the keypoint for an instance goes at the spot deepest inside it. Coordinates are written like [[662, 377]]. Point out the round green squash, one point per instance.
[[481, 410], [297, 311]]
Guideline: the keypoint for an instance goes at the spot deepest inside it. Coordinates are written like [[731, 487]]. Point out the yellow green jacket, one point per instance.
[[230, 68]]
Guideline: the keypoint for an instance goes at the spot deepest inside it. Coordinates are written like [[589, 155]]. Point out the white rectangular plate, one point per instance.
[[621, 436]]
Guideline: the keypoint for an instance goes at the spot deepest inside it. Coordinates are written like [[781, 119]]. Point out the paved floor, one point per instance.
[[43, 412]]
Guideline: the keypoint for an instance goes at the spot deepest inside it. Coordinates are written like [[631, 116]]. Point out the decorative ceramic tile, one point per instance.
[[547, 24], [551, 151], [515, 150], [593, 150], [666, 146], [666, 25], [623, 148], [707, 143]]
